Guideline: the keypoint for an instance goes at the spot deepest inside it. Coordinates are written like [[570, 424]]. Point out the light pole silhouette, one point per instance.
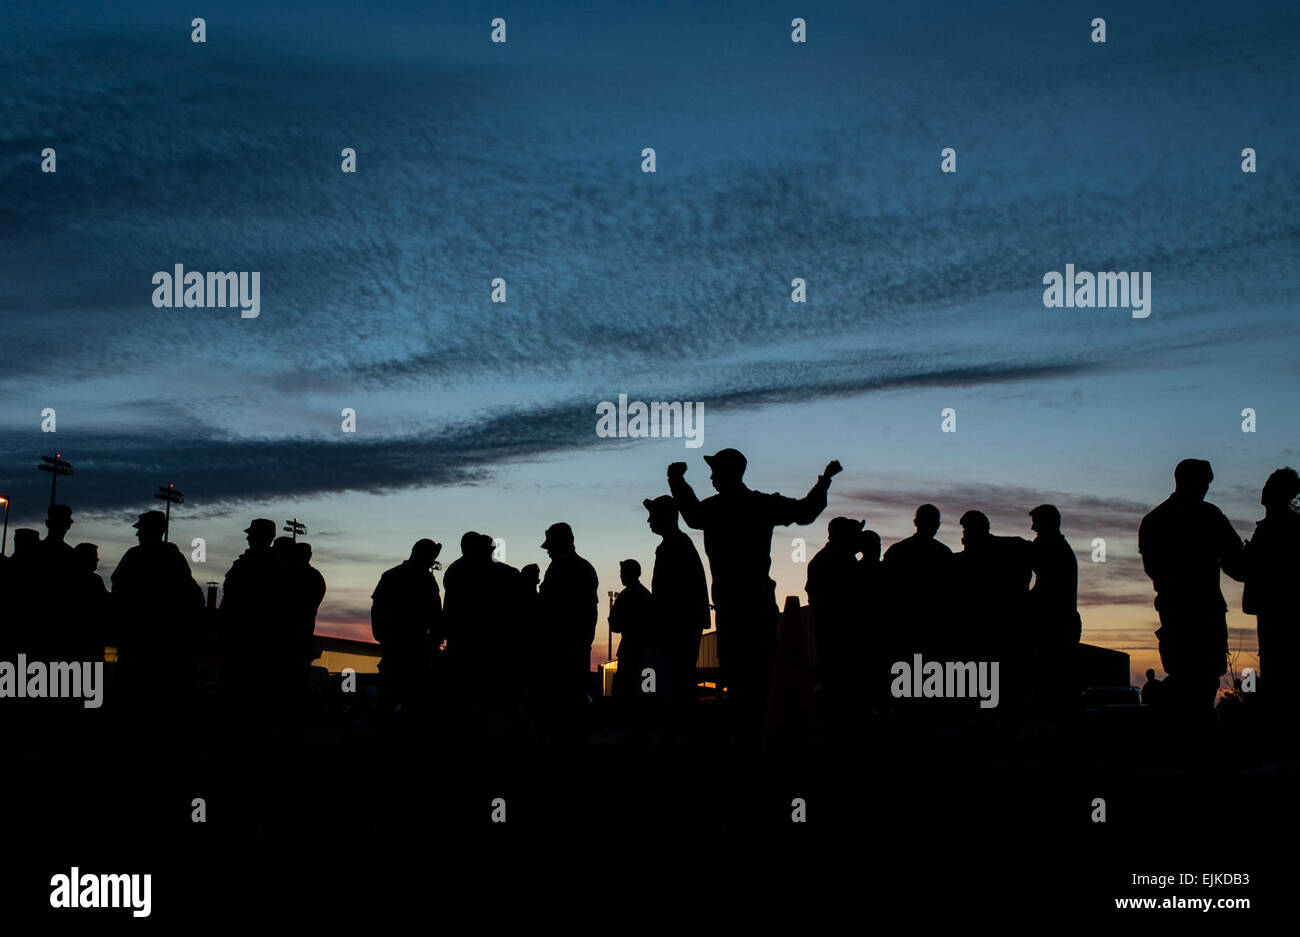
[[294, 527], [56, 466], [4, 540], [169, 494]]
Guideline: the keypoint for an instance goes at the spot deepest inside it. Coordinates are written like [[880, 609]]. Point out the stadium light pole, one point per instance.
[[169, 494], [295, 527], [56, 466], [4, 540]]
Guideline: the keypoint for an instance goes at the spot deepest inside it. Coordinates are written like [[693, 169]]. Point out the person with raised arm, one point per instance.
[[737, 523]]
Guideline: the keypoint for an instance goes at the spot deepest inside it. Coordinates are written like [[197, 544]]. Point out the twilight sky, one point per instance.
[[522, 161]]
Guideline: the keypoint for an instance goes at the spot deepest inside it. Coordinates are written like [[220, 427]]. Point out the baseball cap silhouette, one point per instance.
[[728, 460], [151, 519], [664, 504]]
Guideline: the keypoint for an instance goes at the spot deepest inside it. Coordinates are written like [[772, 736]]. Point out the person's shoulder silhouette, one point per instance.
[[1185, 540]]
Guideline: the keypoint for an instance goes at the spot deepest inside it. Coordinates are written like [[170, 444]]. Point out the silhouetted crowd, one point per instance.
[[154, 614], [502, 649], [976, 605]]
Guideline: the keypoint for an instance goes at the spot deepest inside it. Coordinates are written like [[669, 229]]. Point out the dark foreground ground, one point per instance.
[[933, 821]]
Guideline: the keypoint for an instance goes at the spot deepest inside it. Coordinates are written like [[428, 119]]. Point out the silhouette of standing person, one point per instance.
[[481, 609], [871, 645], [54, 548], [569, 603], [467, 584], [19, 624], [737, 523], [406, 618], [21, 593], [91, 600], [995, 573], [506, 630], [1054, 598], [285, 647], [157, 604], [530, 575], [1151, 689], [681, 595], [310, 593], [1185, 541], [467, 613], [253, 611], [27, 543], [834, 590], [1272, 559], [57, 574], [916, 569], [633, 618], [530, 648]]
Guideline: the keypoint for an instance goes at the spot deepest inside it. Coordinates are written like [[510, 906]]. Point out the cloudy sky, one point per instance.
[[522, 160]]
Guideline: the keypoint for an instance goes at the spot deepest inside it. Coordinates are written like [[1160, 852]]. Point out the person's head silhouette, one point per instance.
[[869, 544], [728, 467], [150, 526], [26, 540], [844, 533], [927, 520], [87, 555], [1151, 674], [663, 514], [284, 550], [1281, 490], [425, 553], [475, 546], [296, 555], [1192, 479], [57, 521], [974, 529], [1045, 520], [559, 540], [629, 572], [261, 531], [532, 574]]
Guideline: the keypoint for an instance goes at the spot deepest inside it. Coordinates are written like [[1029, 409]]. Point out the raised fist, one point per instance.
[[833, 468], [677, 470]]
